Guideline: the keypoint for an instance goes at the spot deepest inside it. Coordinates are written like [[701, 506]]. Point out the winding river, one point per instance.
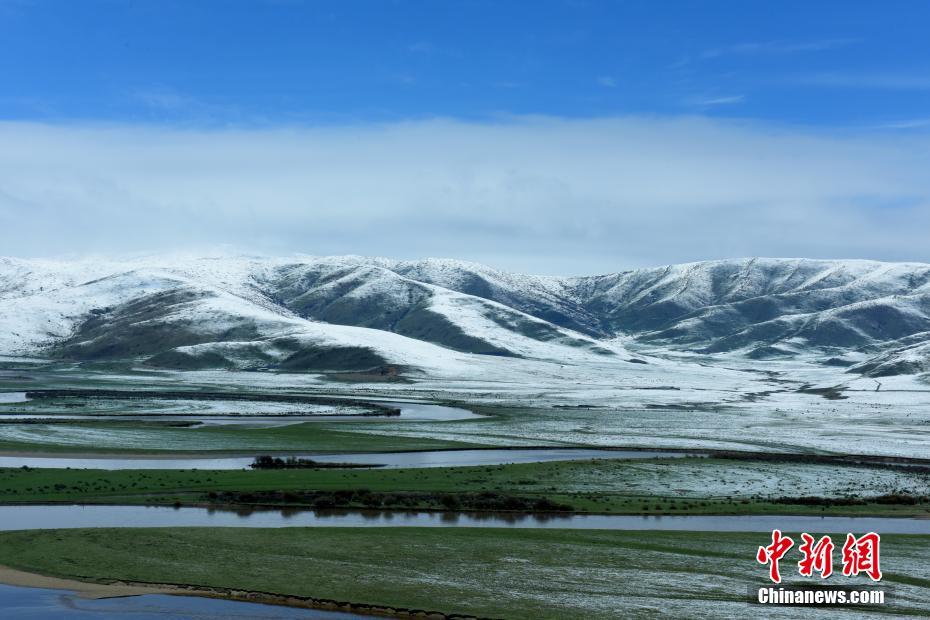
[[430, 458], [410, 411], [40, 604]]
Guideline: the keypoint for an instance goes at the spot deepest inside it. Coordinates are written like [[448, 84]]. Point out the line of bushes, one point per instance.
[[898, 499], [917, 466], [292, 462]]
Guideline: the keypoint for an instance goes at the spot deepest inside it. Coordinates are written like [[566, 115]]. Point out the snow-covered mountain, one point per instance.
[[355, 314]]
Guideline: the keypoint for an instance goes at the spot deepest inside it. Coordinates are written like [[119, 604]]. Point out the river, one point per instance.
[[17, 603], [429, 458], [29, 517]]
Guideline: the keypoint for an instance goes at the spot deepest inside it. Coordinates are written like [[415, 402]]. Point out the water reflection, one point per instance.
[[76, 516]]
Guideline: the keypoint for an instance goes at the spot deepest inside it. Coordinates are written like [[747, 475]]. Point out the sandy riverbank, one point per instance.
[[14, 577]]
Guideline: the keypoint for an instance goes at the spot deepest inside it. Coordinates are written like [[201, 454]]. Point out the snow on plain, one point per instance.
[[678, 398]]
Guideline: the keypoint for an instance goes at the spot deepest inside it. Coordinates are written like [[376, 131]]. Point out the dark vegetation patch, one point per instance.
[[178, 360], [305, 357], [292, 462], [757, 396], [383, 374], [768, 352], [688, 406], [343, 358], [895, 499], [830, 393], [921, 466]]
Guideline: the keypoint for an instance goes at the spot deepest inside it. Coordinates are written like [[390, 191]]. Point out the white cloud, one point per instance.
[[163, 98], [542, 195], [911, 123], [879, 81], [777, 47], [607, 82], [720, 100]]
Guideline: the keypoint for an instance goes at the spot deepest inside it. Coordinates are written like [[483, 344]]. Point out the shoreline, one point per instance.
[[123, 588], [553, 514], [85, 589], [240, 454], [849, 460]]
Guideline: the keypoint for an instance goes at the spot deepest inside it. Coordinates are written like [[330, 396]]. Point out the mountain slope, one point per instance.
[[316, 315], [444, 316], [794, 304]]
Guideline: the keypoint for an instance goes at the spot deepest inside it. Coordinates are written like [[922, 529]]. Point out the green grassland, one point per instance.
[[598, 486], [497, 573]]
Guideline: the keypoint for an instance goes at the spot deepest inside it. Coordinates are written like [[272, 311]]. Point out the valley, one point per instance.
[[509, 412]]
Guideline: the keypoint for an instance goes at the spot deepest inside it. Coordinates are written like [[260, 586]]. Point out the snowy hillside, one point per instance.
[[442, 317], [766, 307], [331, 314]]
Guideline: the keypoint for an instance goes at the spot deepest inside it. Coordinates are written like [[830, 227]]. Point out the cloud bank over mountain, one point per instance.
[[540, 195]]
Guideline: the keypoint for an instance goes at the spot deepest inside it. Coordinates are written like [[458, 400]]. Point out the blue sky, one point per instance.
[[288, 61], [561, 137]]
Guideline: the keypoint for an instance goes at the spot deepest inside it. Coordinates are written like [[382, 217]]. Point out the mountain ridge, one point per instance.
[[352, 313]]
